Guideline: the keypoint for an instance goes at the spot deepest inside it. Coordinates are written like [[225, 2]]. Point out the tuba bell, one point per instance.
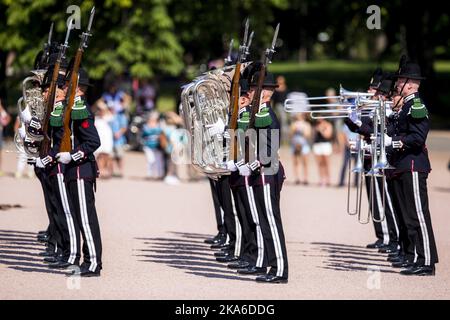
[[205, 101], [31, 107]]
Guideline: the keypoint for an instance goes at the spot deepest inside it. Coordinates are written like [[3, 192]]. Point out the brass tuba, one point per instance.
[[205, 101], [30, 106]]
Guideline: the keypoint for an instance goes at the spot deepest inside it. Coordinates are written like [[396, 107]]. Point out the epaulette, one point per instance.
[[56, 116], [263, 118], [79, 110], [243, 121], [418, 109]]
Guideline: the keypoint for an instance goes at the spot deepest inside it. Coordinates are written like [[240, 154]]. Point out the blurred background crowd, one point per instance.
[[142, 52]]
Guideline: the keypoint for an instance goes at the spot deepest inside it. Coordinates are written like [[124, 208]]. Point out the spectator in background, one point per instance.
[[103, 154], [173, 139], [146, 98], [151, 136], [323, 148], [300, 134], [116, 99], [347, 135], [4, 121], [119, 126], [278, 98]]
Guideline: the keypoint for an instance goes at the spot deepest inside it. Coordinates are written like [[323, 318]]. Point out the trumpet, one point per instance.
[[377, 150], [302, 105]]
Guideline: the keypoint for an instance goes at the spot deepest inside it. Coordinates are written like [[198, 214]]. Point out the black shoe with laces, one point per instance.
[[270, 278], [376, 245]]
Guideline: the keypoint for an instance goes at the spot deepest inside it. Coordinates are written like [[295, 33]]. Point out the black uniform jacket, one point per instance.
[[85, 141], [412, 132]]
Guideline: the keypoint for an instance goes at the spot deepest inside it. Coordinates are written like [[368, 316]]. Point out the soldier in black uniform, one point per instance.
[[266, 175], [66, 224], [252, 248], [51, 236], [80, 177], [410, 158]]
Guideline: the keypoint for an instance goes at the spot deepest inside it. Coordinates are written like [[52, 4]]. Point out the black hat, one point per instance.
[[38, 61], [47, 57], [269, 80], [376, 78], [408, 69], [49, 74], [52, 60], [243, 83], [387, 84], [83, 78], [250, 70]]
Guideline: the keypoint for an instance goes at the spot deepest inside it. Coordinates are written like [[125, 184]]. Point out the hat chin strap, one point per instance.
[[401, 91]]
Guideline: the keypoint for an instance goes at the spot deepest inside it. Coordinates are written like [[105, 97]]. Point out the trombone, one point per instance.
[[365, 106]]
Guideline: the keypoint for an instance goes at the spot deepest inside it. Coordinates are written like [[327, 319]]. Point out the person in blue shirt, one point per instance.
[[119, 126], [151, 136]]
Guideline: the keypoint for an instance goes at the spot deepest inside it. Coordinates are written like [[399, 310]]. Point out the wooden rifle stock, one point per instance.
[[45, 144], [234, 110], [66, 145], [255, 108]]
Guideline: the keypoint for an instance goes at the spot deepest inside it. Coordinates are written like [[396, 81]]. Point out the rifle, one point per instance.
[[47, 45], [268, 55], [235, 89], [66, 144], [45, 146]]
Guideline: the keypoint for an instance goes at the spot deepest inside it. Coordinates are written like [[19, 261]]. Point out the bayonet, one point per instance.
[[247, 49], [50, 34], [230, 50], [270, 51], [247, 24], [85, 35], [91, 19]]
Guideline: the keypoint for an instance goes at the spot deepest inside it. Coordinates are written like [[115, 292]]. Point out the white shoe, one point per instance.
[[172, 180]]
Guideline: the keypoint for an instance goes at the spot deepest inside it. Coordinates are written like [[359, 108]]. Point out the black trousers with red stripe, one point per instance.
[[81, 192], [66, 221], [267, 197], [411, 198]]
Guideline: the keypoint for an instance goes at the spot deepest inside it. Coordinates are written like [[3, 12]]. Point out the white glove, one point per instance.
[[244, 170], [22, 132], [216, 128], [388, 111], [64, 157], [352, 144], [231, 166], [397, 144], [25, 116], [387, 140], [353, 116], [254, 165], [43, 162]]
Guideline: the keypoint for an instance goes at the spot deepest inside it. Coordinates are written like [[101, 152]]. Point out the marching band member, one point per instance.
[[412, 167]]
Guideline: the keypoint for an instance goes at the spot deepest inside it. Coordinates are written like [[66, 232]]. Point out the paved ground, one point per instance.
[[153, 249]]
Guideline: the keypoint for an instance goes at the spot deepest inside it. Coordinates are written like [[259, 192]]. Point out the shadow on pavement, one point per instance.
[[19, 251], [342, 257], [188, 252]]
